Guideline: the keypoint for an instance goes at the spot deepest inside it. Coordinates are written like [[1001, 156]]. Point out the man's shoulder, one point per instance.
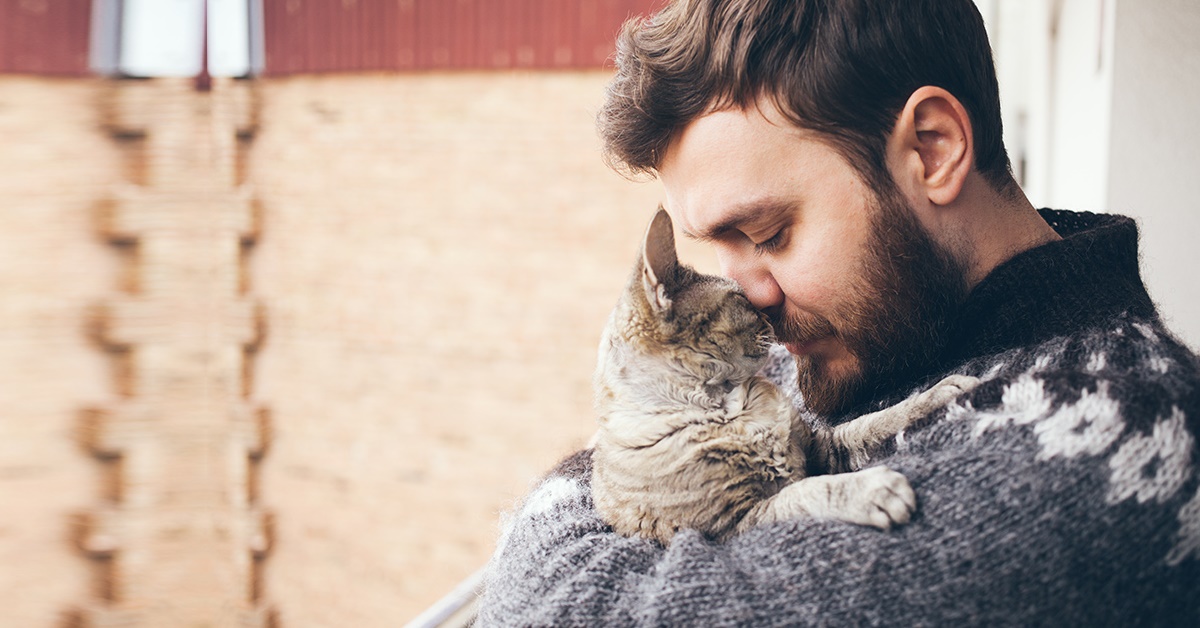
[[1095, 432], [1132, 369]]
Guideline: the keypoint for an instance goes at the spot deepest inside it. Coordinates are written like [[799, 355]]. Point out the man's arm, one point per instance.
[[1000, 536]]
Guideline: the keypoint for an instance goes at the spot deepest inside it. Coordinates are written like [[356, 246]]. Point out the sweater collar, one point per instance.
[[1054, 289]]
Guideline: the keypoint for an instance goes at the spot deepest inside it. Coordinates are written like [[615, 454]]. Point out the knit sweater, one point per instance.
[[1062, 490]]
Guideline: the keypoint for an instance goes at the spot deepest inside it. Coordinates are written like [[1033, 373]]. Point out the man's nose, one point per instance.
[[753, 276]]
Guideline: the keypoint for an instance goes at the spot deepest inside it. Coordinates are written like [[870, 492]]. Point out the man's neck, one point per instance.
[[988, 228]]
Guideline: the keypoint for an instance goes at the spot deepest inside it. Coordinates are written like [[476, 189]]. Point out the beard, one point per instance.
[[895, 318]]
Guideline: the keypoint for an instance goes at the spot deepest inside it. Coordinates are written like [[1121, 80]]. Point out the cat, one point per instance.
[[691, 437]]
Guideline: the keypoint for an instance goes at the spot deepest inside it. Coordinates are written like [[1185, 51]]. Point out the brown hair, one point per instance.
[[843, 68]]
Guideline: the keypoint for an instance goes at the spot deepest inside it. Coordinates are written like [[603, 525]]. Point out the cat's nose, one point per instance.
[[770, 315]]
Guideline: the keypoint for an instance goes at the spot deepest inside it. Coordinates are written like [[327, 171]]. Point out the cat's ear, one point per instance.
[[659, 259]]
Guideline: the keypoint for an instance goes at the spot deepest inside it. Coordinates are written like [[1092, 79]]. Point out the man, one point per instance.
[[845, 160]]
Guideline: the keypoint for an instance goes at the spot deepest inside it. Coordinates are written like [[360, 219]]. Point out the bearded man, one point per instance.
[[845, 160]]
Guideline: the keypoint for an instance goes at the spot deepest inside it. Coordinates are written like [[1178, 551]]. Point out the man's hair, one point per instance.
[[842, 68]]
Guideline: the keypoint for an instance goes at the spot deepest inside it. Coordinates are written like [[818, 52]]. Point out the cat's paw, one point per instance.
[[947, 390], [877, 497], [883, 498]]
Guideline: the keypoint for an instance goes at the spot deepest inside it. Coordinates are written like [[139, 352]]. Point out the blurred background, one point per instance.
[[297, 297]]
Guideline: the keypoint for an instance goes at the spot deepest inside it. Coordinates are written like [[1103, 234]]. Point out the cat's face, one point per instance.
[[701, 324]]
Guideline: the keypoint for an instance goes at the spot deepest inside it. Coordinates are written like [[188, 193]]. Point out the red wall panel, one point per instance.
[[51, 36], [349, 35], [44, 36]]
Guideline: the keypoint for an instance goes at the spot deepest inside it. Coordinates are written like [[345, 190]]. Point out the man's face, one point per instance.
[[854, 287]]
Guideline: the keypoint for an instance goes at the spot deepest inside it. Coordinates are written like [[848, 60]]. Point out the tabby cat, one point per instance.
[[691, 437]]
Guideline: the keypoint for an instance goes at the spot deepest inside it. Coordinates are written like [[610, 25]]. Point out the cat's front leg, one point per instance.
[[936, 397], [852, 443], [876, 497]]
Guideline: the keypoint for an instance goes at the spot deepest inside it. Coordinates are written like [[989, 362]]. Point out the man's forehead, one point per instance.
[[725, 168], [713, 132]]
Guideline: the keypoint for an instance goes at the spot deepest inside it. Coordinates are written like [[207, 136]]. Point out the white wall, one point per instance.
[[1100, 102], [159, 38], [1154, 150]]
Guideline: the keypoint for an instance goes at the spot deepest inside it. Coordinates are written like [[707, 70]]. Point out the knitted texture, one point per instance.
[[1062, 490]]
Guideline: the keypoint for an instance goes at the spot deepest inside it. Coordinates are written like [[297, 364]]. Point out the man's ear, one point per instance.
[[933, 145]]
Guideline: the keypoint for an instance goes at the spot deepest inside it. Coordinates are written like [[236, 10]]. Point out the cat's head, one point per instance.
[[700, 325]]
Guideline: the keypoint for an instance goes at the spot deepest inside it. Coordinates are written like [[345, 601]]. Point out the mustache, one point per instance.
[[799, 328]]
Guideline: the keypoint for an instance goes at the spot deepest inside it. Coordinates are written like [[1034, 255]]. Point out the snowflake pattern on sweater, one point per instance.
[[1063, 489]]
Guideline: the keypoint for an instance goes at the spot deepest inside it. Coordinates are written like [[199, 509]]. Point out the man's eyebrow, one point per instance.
[[764, 210]]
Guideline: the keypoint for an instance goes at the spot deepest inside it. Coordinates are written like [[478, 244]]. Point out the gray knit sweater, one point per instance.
[[1062, 491]]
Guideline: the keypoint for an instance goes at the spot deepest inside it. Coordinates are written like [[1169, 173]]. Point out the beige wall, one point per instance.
[[439, 254], [54, 164]]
